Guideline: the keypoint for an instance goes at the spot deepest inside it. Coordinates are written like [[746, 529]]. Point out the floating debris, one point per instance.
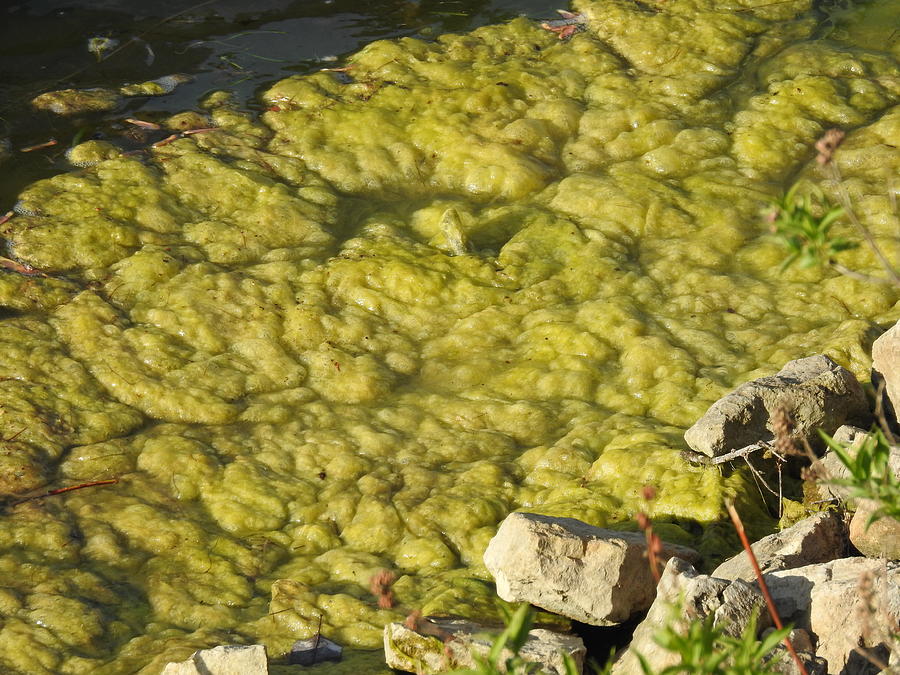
[[99, 45], [314, 650], [567, 26], [20, 268], [39, 146], [158, 87], [152, 126], [165, 141]]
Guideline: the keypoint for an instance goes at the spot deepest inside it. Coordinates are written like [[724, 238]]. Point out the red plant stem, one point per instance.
[[739, 526], [59, 491]]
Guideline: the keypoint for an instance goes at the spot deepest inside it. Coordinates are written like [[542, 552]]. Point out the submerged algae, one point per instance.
[[301, 374]]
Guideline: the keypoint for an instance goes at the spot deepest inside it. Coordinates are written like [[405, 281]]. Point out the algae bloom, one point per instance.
[[491, 272]]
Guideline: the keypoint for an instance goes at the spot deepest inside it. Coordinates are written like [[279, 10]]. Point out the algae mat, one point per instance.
[[495, 271]]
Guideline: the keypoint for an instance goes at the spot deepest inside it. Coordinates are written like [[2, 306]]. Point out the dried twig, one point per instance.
[[844, 198], [153, 126], [20, 268], [697, 458], [39, 146], [60, 491], [654, 543]]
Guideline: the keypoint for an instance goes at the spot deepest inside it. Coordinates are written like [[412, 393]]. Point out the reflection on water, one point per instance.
[[228, 44]]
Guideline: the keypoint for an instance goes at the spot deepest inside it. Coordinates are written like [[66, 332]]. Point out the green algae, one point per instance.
[[75, 101], [491, 272]]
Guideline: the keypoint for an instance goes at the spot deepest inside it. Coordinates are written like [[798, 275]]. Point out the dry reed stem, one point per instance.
[[770, 604], [60, 491]]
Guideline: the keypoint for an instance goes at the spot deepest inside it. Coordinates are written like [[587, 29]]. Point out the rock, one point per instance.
[[886, 363], [843, 604], [881, 538], [819, 538], [684, 595], [819, 394], [74, 101], [781, 661], [314, 650], [596, 576], [224, 660], [430, 650]]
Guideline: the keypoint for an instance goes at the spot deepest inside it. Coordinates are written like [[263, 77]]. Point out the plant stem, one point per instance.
[[867, 235], [859, 276], [773, 612]]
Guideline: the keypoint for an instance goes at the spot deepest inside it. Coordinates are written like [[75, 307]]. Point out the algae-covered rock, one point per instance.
[[442, 645], [225, 660], [74, 101], [90, 153]]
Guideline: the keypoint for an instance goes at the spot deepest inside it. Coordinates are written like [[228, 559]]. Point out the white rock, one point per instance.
[[878, 539], [819, 538], [684, 595], [596, 576], [842, 604], [886, 362], [448, 644], [224, 660]]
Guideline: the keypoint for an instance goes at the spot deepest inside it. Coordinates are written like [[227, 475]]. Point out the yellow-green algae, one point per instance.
[[492, 272]]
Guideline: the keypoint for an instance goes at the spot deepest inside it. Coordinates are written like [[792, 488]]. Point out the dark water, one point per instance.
[[224, 44]]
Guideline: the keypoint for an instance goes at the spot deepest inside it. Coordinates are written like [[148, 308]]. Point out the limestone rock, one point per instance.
[[842, 604], [819, 393], [224, 660], [819, 538], [596, 576], [430, 650], [783, 663], [880, 539], [886, 363], [684, 595]]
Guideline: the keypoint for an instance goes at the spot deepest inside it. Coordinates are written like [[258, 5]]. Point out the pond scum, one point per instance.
[[495, 271]]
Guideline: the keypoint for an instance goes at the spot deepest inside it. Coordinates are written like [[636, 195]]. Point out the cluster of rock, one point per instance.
[[845, 609]]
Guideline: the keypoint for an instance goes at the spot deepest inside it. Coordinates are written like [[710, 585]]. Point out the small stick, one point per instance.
[[698, 458], [20, 268], [200, 131], [316, 643], [739, 526], [863, 230], [142, 124], [39, 146], [7, 216], [60, 491], [165, 141]]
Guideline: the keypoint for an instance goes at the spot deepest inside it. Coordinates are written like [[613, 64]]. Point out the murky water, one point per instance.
[[221, 43]]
